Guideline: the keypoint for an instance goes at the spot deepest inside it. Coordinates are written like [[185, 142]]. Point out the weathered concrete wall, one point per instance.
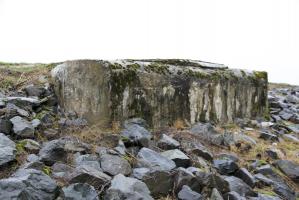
[[160, 91]]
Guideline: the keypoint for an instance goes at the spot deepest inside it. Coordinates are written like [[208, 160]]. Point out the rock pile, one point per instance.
[[45, 155]]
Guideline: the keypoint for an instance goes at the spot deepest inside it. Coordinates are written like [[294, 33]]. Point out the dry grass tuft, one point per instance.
[[179, 124]]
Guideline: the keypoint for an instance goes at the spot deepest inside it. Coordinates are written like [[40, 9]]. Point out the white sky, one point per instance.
[[250, 34]]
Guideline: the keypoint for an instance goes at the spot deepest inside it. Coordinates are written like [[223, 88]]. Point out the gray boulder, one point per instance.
[[136, 134], [233, 196], [113, 165], [225, 167], [166, 142], [289, 168], [187, 194], [90, 175], [79, 191], [215, 195], [196, 148], [32, 90], [237, 185], [89, 160], [7, 150], [159, 182], [28, 184], [57, 150], [127, 188], [150, 159], [22, 128], [5, 126], [180, 159], [52, 152], [186, 177], [246, 176]]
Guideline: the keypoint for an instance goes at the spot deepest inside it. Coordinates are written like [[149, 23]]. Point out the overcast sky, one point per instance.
[[249, 34]]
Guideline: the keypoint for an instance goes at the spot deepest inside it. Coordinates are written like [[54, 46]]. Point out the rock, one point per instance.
[[227, 156], [218, 182], [30, 146], [88, 160], [32, 90], [62, 171], [52, 152], [57, 150], [274, 153], [197, 148], [150, 159], [136, 121], [22, 128], [22, 102], [233, 196], [51, 134], [13, 108], [28, 184], [127, 188], [7, 150], [167, 143], [289, 168], [90, 175], [79, 191], [237, 185], [246, 176], [187, 194], [186, 177], [5, 126], [268, 136], [137, 134], [225, 167], [180, 159], [291, 137], [180, 88], [159, 182], [35, 123], [264, 197], [113, 165], [215, 195], [262, 180]]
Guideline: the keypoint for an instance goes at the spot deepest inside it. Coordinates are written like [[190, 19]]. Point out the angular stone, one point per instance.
[[28, 184], [185, 177], [268, 136], [30, 146], [22, 128], [187, 194], [127, 188], [89, 160], [158, 182], [237, 185], [79, 191], [186, 89], [197, 149], [225, 167], [215, 195], [167, 143], [5, 126], [180, 159], [7, 150], [52, 152], [246, 176], [90, 175], [137, 134], [289, 168], [32, 90], [113, 165], [150, 159], [233, 196]]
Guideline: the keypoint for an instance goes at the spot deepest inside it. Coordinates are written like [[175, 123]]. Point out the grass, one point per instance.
[[14, 76]]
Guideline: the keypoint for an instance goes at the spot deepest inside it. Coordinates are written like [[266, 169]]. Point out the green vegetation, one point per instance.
[[158, 68], [261, 75], [47, 170]]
